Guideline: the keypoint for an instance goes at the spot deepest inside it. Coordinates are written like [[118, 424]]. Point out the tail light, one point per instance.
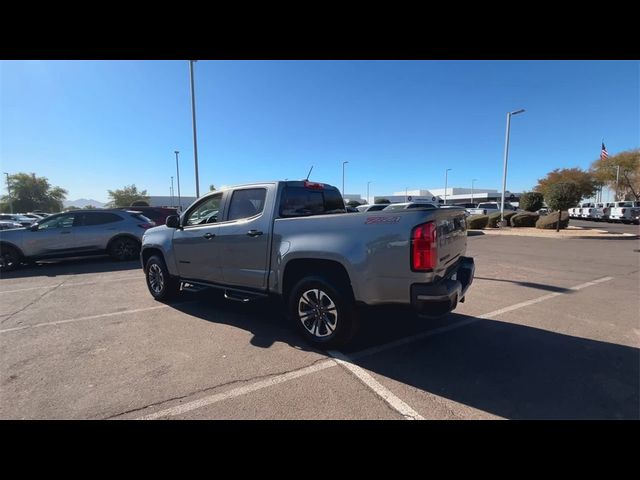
[[147, 225], [424, 247]]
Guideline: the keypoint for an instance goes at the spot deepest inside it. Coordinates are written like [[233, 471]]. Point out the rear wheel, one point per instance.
[[161, 285], [323, 311], [124, 248], [9, 258]]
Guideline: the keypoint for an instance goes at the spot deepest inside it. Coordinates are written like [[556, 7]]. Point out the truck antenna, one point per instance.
[[309, 173]]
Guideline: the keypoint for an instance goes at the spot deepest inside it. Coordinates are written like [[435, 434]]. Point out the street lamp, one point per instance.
[[506, 155], [343, 164], [9, 193], [173, 204], [193, 117], [178, 180], [472, 188], [446, 172], [368, 201]]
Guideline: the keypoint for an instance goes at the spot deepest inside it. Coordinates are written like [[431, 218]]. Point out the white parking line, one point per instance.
[[386, 394], [236, 392], [398, 405]]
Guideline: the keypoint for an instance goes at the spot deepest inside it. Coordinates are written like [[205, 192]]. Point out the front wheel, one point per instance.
[[161, 285], [323, 312]]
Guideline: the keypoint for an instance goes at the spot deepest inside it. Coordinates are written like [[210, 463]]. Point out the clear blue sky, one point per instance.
[[89, 126]]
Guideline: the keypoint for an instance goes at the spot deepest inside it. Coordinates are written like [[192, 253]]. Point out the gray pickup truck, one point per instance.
[[294, 239]]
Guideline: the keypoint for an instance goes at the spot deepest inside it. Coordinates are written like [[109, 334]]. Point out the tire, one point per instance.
[[338, 320], [124, 248], [10, 258], [160, 283]]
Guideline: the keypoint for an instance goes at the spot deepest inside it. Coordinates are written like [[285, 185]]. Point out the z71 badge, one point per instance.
[[370, 220]]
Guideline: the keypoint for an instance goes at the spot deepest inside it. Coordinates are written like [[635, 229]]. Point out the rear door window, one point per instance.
[[247, 203]]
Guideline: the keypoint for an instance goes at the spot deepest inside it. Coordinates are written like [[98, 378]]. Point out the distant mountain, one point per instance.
[[83, 202]]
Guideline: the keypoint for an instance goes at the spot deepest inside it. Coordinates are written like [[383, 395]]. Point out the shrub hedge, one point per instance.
[[524, 220], [548, 222], [494, 218], [477, 222]]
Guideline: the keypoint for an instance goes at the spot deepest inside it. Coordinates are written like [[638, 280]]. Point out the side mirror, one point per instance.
[[33, 227], [172, 221]]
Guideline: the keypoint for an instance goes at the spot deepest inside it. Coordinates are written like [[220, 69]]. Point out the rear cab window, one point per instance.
[[300, 201]]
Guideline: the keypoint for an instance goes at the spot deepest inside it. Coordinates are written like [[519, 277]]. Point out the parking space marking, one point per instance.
[[339, 358], [236, 392], [463, 323], [394, 402], [543, 298], [75, 284]]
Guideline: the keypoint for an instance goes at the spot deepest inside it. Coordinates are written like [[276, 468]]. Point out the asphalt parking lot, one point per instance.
[[550, 330]]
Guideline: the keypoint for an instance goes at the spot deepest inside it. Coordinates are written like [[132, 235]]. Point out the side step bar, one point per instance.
[[242, 297], [233, 294]]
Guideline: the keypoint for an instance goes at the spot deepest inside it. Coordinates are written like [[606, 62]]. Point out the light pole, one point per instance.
[[446, 172], [178, 180], [506, 155], [193, 117], [472, 188], [368, 191], [9, 193], [173, 203], [343, 164]]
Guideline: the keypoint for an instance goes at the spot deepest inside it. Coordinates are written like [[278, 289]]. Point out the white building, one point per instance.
[[353, 196], [454, 195]]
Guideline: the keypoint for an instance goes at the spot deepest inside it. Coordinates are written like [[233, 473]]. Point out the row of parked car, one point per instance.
[[19, 220], [617, 212]]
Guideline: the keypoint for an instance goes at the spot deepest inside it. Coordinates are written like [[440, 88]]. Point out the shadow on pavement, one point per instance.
[[540, 286], [509, 370], [72, 266], [474, 233]]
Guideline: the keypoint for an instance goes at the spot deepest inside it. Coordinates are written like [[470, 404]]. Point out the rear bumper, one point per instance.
[[436, 299]]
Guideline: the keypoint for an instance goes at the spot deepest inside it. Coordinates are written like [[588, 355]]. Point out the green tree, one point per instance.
[[531, 201], [212, 188], [126, 196], [72, 207], [89, 207], [140, 203], [584, 180], [605, 170], [353, 203], [29, 193], [562, 196], [384, 200]]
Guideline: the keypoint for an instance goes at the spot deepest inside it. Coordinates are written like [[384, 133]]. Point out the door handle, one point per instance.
[[254, 233], [209, 236]]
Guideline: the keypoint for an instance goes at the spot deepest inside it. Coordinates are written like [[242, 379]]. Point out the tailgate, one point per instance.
[[452, 238]]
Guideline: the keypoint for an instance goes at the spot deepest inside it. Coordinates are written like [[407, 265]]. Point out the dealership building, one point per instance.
[[454, 196]]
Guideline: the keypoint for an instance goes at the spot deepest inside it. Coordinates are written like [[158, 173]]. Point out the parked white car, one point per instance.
[[487, 208], [625, 212]]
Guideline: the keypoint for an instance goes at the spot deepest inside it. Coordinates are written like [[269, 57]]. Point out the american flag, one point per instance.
[[603, 153]]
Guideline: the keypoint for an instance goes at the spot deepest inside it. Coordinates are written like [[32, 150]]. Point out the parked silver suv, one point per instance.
[[75, 233]]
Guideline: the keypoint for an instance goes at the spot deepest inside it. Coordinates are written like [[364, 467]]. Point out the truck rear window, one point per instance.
[[302, 202]]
